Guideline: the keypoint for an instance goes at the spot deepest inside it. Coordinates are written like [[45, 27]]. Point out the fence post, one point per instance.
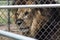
[[14, 36], [8, 16]]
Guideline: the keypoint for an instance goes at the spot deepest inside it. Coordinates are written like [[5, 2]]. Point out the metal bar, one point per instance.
[[14, 36], [8, 16], [8, 20], [31, 6]]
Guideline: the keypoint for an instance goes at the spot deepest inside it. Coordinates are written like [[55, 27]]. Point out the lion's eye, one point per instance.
[[26, 13]]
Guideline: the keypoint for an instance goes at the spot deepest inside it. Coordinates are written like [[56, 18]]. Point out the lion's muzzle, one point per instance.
[[21, 25]]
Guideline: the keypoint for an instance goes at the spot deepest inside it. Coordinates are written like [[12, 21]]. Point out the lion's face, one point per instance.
[[29, 19], [24, 19]]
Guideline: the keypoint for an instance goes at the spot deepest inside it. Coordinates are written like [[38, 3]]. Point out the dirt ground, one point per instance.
[[13, 29]]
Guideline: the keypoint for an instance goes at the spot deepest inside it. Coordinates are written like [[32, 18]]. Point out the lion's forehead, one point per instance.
[[24, 10]]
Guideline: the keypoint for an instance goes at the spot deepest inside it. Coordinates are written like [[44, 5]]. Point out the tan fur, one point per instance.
[[32, 20], [36, 24]]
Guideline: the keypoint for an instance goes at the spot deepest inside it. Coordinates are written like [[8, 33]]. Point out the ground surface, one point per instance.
[[13, 29]]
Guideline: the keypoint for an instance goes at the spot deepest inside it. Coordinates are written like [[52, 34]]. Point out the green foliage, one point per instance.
[[4, 20], [5, 2]]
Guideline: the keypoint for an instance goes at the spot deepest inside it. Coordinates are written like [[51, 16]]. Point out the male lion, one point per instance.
[[30, 20]]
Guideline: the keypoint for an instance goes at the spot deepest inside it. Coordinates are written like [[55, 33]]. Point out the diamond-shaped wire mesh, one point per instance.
[[20, 2], [48, 23], [3, 16]]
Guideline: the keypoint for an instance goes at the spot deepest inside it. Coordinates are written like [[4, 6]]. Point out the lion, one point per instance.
[[29, 20]]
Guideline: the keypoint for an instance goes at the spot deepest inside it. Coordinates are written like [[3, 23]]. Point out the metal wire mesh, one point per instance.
[[36, 2], [49, 25]]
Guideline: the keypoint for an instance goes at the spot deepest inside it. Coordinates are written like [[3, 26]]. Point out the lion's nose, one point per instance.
[[19, 21]]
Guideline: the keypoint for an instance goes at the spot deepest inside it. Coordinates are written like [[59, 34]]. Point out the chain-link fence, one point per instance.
[[39, 23]]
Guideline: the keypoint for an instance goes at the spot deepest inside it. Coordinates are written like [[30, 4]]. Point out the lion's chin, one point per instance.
[[24, 29]]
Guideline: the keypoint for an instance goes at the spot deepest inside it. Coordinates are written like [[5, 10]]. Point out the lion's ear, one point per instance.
[[39, 12], [30, 2]]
